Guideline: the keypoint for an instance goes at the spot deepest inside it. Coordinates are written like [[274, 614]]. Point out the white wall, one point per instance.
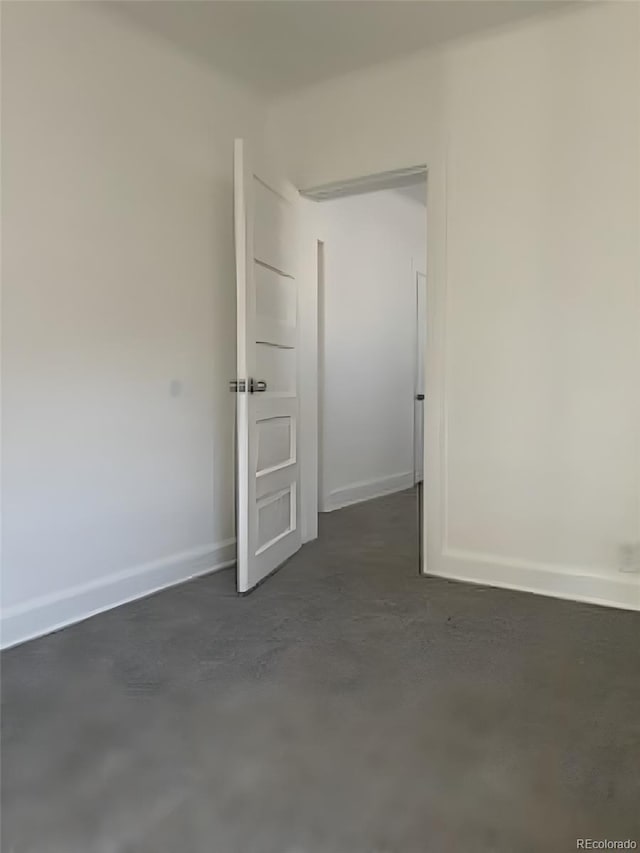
[[532, 137], [118, 314], [118, 279], [373, 244]]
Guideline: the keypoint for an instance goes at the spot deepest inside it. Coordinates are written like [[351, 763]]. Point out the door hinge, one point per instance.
[[238, 386]]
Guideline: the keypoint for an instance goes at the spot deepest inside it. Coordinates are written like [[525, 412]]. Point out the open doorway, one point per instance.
[[371, 323], [345, 264]]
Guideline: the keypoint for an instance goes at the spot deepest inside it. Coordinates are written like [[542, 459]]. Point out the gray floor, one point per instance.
[[347, 706]]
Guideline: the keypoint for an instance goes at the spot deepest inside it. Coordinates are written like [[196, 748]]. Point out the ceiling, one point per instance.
[[275, 46]]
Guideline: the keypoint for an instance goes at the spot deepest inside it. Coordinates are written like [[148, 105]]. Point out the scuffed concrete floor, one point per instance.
[[347, 706]]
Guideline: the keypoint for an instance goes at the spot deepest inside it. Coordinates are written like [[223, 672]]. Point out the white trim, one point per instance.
[[592, 585], [365, 491], [367, 183], [310, 369], [418, 268], [48, 613], [320, 355]]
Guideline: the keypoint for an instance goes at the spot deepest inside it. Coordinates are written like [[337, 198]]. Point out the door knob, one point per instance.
[[257, 385]]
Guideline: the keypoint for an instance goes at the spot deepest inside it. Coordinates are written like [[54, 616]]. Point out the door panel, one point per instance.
[[275, 307], [268, 490], [272, 242], [276, 517], [276, 443], [277, 365]]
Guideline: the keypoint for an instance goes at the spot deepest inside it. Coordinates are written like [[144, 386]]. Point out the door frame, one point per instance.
[[310, 366], [311, 361], [418, 268]]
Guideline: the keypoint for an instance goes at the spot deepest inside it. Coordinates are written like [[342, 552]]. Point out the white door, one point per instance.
[[418, 403], [268, 478]]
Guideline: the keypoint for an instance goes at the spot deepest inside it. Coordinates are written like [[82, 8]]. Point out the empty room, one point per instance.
[[320, 426]]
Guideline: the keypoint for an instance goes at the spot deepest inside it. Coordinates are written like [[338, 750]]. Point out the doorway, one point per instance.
[[370, 265], [340, 411]]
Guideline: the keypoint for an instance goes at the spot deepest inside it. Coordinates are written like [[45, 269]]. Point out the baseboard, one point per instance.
[[568, 582], [365, 491], [50, 612]]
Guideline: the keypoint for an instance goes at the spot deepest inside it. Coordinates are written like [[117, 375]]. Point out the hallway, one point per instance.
[[346, 706]]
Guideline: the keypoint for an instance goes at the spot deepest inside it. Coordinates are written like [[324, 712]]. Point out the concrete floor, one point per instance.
[[347, 706]]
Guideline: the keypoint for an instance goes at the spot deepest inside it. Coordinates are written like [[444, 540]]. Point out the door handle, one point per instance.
[[419, 396], [239, 386]]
